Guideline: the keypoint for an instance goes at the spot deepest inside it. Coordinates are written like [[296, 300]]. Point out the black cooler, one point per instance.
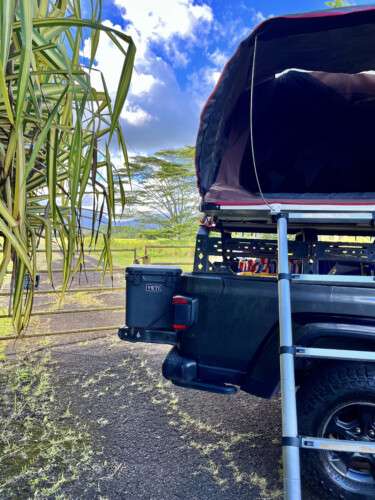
[[149, 310]]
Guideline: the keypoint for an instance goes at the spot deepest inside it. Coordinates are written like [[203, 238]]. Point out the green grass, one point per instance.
[[5, 323], [183, 256], [42, 449], [7, 328], [78, 299]]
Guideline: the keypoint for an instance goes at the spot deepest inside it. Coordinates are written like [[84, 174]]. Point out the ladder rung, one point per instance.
[[340, 217], [326, 353], [333, 278], [319, 444]]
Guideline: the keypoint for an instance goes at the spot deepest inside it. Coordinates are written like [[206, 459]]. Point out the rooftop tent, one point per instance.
[[313, 115]]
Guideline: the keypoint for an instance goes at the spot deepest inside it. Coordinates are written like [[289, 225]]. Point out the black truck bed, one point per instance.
[[235, 339]]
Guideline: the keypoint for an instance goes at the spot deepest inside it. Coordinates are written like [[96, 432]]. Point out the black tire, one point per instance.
[[336, 397]]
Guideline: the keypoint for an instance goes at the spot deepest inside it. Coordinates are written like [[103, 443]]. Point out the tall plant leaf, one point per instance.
[[54, 127]]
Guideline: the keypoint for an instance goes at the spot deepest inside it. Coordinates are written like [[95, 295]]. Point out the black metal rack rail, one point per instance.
[[220, 254]]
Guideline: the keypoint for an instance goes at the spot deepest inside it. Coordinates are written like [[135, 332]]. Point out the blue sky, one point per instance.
[[182, 46]]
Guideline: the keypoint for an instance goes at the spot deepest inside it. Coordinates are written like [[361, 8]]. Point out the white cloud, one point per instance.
[[109, 60], [142, 83], [135, 115], [211, 75], [218, 58], [204, 80], [155, 21], [174, 113], [176, 55], [258, 17], [158, 112], [166, 23], [202, 84]]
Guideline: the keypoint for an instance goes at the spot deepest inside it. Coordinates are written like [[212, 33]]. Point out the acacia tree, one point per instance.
[[337, 4], [55, 136], [164, 191]]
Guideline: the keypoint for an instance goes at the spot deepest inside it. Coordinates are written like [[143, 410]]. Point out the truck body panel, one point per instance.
[[235, 338]]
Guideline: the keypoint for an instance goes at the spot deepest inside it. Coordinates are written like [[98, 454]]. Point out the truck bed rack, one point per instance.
[[222, 253]]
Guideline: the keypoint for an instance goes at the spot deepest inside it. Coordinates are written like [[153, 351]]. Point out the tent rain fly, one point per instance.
[[313, 115]]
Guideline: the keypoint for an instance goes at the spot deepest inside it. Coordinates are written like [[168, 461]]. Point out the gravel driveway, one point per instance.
[[155, 441]]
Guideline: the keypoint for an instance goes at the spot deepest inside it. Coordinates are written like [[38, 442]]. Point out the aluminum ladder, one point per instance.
[[291, 441]]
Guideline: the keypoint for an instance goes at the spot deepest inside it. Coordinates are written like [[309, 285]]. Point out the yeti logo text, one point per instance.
[[153, 288]]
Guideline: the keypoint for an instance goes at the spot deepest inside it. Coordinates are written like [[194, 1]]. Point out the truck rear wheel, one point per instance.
[[339, 402]]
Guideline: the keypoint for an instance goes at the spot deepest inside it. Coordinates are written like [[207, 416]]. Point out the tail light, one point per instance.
[[185, 312]]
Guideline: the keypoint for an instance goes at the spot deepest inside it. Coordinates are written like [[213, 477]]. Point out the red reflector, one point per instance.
[[179, 327], [179, 299]]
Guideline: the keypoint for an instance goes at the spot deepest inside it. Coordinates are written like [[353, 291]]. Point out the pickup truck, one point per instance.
[[287, 130], [223, 326]]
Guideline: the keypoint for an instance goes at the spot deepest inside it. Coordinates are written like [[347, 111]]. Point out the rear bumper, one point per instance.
[[147, 336], [187, 373]]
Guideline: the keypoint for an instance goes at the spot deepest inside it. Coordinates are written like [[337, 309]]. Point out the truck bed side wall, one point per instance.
[[237, 328]]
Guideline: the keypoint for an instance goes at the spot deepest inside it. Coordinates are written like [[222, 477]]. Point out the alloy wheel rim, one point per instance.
[[351, 421]]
